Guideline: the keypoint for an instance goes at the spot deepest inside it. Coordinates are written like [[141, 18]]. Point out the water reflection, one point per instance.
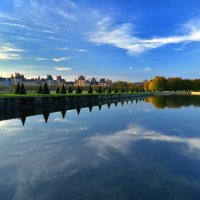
[[134, 151], [174, 101], [24, 113], [160, 102]]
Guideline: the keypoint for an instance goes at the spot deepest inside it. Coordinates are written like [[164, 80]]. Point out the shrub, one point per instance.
[[63, 89], [99, 90], [90, 91], [70, 90], [57, 90], [39, 91], [17, 90], [45, 89], [78, 90], [22, 89], [116, 90]]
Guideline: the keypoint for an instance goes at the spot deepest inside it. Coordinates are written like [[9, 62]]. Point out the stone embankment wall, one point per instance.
[[17, 107]]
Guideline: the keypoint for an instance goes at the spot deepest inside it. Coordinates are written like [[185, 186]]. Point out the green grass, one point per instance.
[[58, 95]]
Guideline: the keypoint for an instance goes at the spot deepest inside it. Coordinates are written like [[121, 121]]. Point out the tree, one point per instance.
[[174, 84], [17, 91], [132, 89], [63, 89], [70, 90], [116, 90], [78, 90], [45, 89], [57, 90], [90, 91], [99, 90], [122, 90], [22, 89], [146, 86], [109, 90], [151, 85], [39, 91], [196, 85], [160, 83]]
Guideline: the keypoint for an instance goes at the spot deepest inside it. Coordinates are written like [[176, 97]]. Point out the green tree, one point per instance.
[[39, 91], [116, 90], [63, 89], [160, 83], [78, 90], [99, 90], [45, 89], [122, 90], [109, 90], [70, 90], [57, 90], [17, 90], [90, 91], [196, 85], [22, 89]]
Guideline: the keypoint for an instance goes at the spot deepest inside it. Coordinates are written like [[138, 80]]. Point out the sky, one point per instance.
[[130, 40]]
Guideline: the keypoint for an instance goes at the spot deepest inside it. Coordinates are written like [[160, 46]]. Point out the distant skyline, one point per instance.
[[131, 40]]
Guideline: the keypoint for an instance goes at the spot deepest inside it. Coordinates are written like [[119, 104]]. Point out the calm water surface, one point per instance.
[[144, 150]]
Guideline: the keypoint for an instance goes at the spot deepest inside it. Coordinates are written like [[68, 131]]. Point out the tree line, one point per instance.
[[120, 87], [160, 83]]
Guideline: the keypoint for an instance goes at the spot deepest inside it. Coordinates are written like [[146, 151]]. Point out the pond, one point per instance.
[[141, 150]]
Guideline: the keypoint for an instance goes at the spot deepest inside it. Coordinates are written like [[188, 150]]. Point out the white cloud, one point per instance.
[[62, 120], [10, 56], [47, 31], [147, 69], [15, 25], [62, 49], [10, 52], [41, 59], [82, 50], [61, 59], [9, 48], [121, 140], [122, 36], [63, 68], [65, 15], [72, 4]]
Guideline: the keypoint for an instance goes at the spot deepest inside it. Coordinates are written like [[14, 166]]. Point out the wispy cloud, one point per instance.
[[61, 59], [15, 25], [72, 4], [82, 50], [8, 48], [121, 140], [41, 59], [62, 49], [65, 15], [63, 68], [147, 69], [10, 56], [47, 31], [10, 52], [122, 36]]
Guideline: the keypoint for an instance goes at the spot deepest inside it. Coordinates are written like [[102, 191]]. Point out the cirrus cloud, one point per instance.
[[122, 36], [63, 68], [61, 59]]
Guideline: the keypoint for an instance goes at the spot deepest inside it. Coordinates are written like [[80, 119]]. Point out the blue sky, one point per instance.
[[130, 40]]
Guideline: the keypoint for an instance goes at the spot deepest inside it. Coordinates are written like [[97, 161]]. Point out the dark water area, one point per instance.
[[144, 149]]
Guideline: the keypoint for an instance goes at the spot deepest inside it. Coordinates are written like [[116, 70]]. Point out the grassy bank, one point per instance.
[[61, 95]]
